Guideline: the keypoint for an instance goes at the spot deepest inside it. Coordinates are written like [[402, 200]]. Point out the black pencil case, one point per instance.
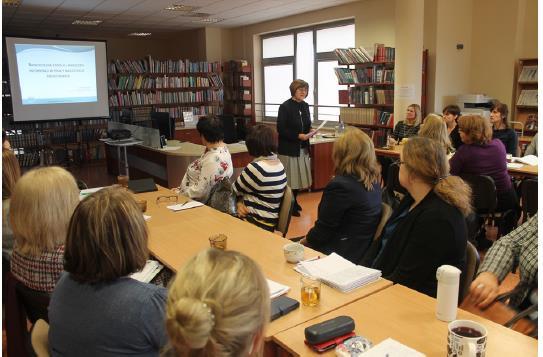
[[282, 305], [329, 329]]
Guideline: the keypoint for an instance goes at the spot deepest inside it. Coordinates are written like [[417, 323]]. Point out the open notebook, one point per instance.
[[338, 272]]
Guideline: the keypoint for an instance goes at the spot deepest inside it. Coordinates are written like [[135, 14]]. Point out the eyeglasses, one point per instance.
[[167, 199]]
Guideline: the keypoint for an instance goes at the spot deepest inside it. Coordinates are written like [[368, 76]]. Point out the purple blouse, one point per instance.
[[488, 159]]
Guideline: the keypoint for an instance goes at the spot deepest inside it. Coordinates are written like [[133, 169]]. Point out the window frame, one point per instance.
[[291, 60]]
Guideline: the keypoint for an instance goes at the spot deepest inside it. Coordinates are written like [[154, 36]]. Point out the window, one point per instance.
[[308, 54]]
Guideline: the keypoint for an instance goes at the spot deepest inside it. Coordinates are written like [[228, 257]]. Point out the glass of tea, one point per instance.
[[218, 241], [123, 180], [310, 290]]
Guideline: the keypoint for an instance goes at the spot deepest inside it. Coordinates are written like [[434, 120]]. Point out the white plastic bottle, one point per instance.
[[448, 281]]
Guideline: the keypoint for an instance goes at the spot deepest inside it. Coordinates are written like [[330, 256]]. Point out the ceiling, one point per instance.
[[121, 17]]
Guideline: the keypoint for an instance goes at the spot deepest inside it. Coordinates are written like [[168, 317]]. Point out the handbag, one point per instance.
[[223, 198], [501, 313]]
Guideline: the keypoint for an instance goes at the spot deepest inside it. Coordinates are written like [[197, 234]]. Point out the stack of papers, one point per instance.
[[149, 271], [338, 272], [276, 289], [186, 205], [528, 160], [392, 348]]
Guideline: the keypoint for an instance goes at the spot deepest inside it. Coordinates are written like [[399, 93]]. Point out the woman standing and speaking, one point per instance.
[[294, 129]]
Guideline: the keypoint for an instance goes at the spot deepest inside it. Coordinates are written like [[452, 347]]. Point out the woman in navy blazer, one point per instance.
[[428, 229], [350, 208]]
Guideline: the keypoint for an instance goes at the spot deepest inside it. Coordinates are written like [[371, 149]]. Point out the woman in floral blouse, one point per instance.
[[214, 164]]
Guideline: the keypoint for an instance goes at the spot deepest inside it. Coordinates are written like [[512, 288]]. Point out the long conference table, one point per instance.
[[380, 309], [174, 237], [523, 171]]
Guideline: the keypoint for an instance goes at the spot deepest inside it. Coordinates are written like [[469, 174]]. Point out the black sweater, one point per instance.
[[292, 120], [509, 138], [432, 234], [348, 217]]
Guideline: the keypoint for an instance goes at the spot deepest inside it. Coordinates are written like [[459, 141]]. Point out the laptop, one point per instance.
[[142, 185]]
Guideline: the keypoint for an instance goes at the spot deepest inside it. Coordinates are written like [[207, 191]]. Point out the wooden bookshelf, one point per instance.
[[525, 98], [173, 86], [370, 89], [238, 90]]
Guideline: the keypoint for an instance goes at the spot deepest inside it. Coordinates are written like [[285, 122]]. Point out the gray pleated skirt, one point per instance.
[[298, 170]]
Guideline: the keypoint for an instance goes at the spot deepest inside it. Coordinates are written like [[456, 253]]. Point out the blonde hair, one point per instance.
[[435, 128], [426, 159], [418, 115], [41, 206], [354, 154], [477, 129], [217, 304], [107, 237], [11, 172]]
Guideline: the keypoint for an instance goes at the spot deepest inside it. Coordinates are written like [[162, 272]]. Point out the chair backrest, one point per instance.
[[40, 338], [470, 269], [518, 126], [394, 191], [483, 190], [529, 198], [386, 212], [22, 303], [285, 211]]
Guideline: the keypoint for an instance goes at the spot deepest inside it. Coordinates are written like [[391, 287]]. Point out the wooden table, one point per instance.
[[409, 317], [524, 171], [176, 236]]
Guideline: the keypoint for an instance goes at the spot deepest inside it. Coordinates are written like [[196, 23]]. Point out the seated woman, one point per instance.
[[262, 183], [350, 207], [11, 172], [214, 165], [218, 305], [518, 247], [451, 113], [482, 155], [408, 127], [428, 229], [96, 308], [41, 206], [501, 128], [532, 148], [434, 128]]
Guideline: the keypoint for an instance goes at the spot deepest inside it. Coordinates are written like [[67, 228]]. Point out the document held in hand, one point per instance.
[[338, 272]]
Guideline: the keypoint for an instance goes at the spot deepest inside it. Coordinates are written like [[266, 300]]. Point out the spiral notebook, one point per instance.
[[338, 272]]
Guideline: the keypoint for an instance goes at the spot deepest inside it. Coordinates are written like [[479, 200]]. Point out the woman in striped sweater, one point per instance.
[[262, 183]]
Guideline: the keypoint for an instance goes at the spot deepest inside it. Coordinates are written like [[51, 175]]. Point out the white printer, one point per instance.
[[474, 104]]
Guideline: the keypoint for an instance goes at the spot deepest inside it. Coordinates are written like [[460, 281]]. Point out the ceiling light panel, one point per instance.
[[86, 22]]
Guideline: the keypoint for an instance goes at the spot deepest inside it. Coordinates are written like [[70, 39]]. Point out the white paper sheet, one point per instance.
[[186, 205]]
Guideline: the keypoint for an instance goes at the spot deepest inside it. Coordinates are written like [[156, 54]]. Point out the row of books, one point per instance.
[[353, 55], [215, 79], [151, 65], [374, 74], [527, 97], [91, 134], [367, 116], [27, 140], [528, 74], [177, 112], [28, 159], [381, 53], [68, 124], [133, 82], [370, 95], [138, 98]]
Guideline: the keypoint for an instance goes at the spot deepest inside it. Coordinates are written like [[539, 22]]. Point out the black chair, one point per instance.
[[470, 269], [22, 304], [529, 198], [394, 191], [229, 128], [484, 200]]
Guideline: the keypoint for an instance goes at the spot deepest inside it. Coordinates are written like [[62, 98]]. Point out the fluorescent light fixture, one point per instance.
[[140, 34], [87, 22], [179, 7], [209, 20]]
